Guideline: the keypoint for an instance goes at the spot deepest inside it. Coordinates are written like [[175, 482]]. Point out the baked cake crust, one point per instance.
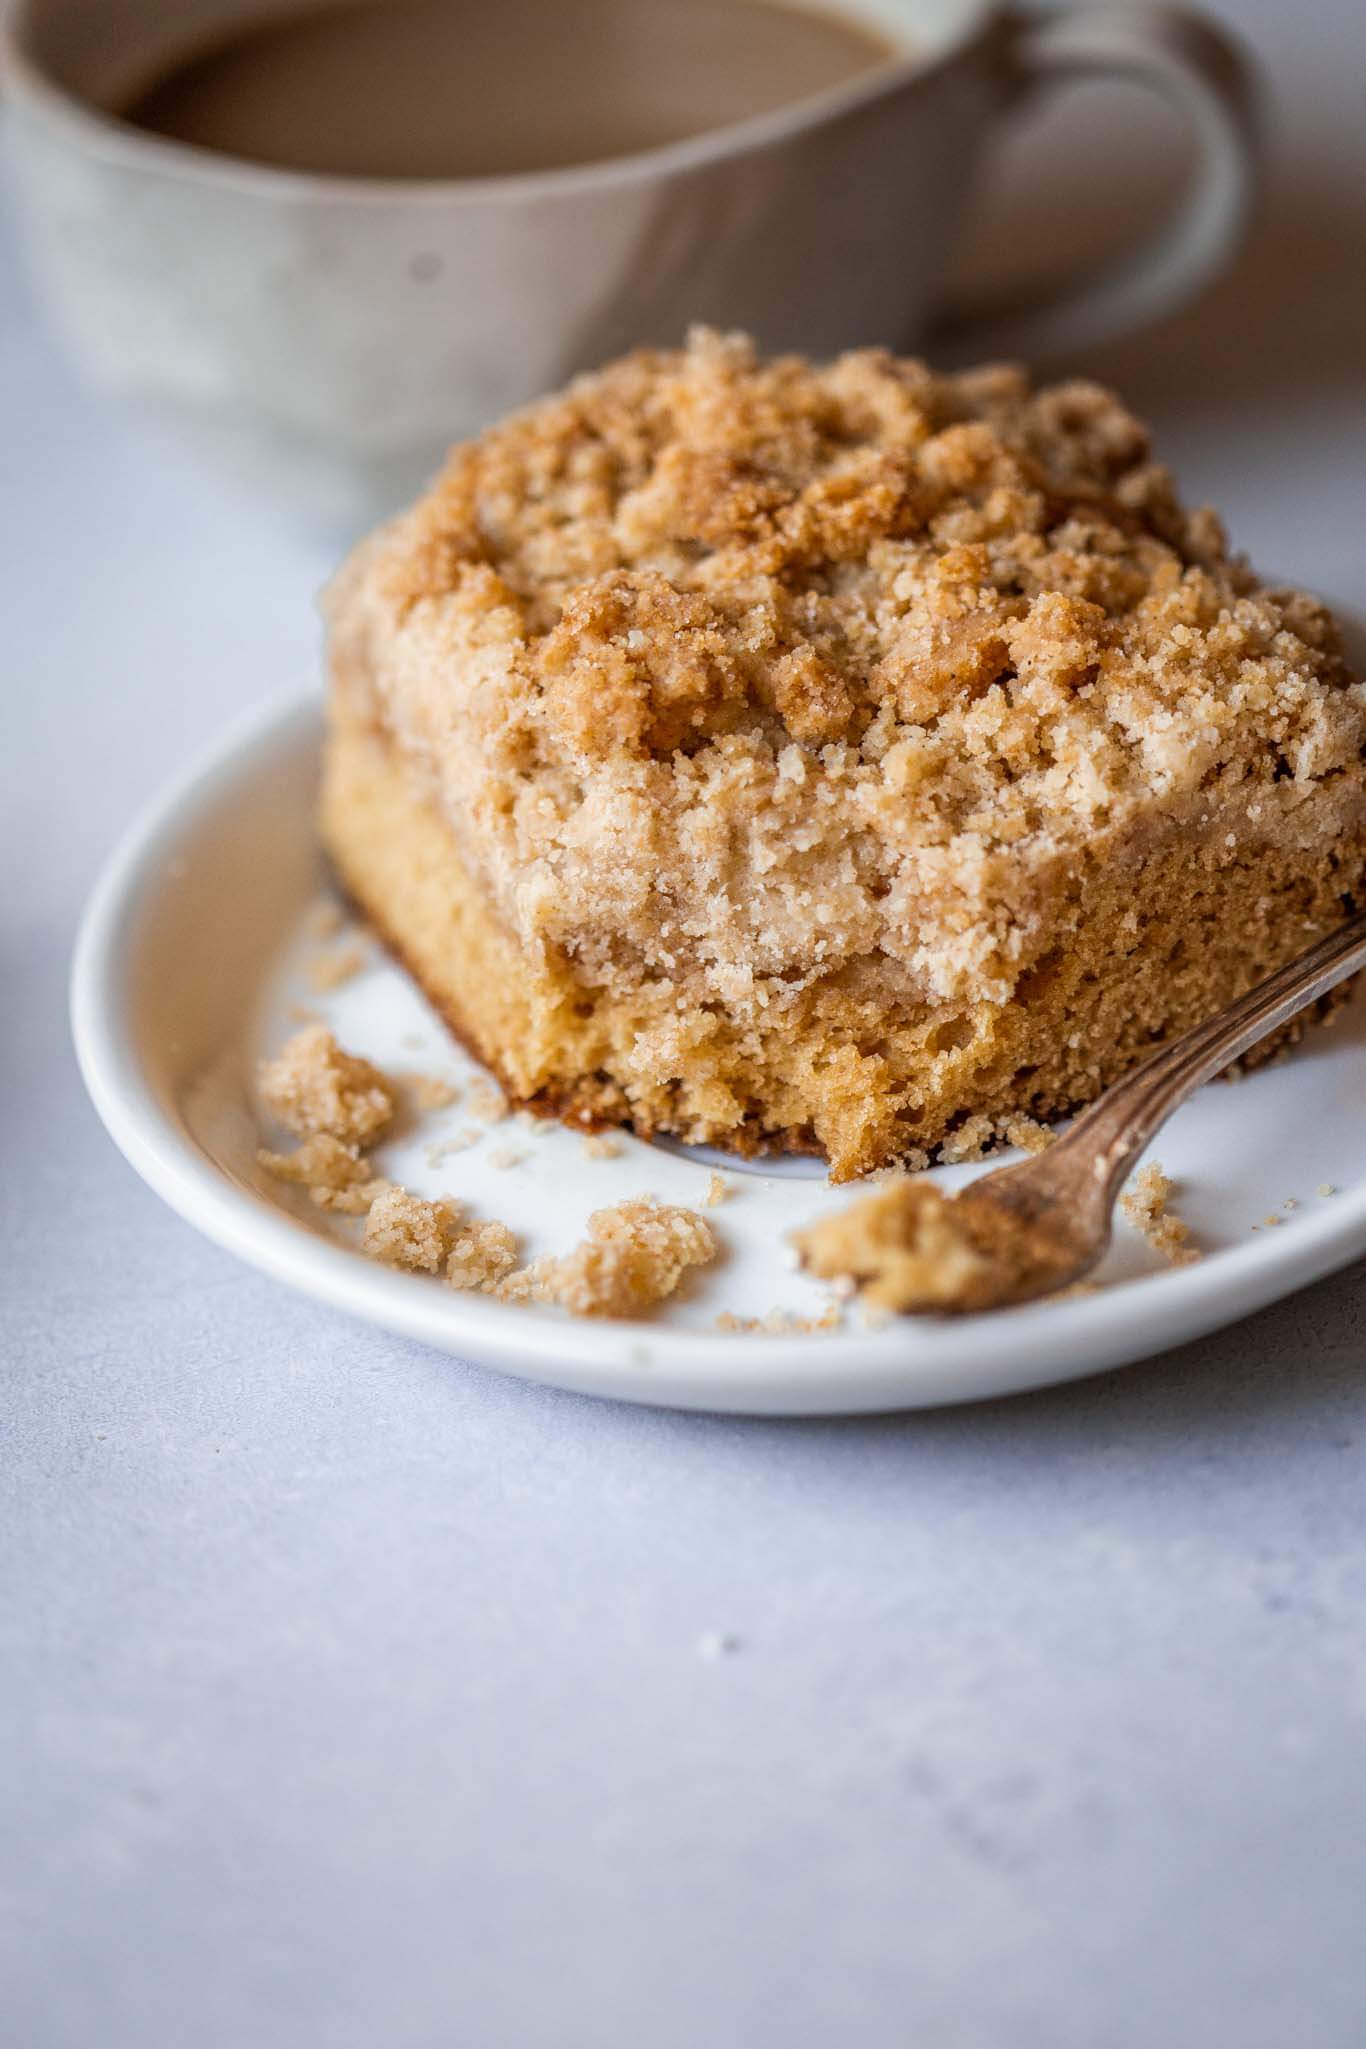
[[775, 755]]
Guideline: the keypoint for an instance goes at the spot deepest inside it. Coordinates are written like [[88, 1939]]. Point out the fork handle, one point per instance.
[[1120, 1127]]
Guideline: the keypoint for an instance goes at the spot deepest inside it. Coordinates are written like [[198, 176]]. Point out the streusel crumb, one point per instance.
[[1145, 1204], [972, 1140], [1028, 1134], [335, 1175], [481, 1256], [633, 1258], [601, 1145], [408, 1231], [315, 1088], [716, 1190]]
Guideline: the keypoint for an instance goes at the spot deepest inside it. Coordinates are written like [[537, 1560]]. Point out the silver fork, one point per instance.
[[1059, 1205]]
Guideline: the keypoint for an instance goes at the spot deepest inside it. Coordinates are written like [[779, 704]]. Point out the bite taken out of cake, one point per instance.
[[819, 758]]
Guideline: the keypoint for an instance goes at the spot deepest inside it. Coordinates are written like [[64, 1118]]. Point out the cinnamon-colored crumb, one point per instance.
[[980, 1135], [335, 1175], [718, 1188], [916, 1162], [313, 1087], [1028, 1134], [971, 1141], [1145, 1204], [601, 1145], [481, 1256], [408, 1231], [634, 1257]]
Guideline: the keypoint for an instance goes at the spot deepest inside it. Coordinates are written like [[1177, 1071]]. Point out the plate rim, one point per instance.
[[905, 1365]]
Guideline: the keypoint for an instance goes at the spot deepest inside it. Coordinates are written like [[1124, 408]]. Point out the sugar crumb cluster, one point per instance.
[[635, 1255]]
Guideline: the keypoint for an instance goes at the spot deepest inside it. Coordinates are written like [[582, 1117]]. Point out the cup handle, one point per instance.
[[1205, 75]]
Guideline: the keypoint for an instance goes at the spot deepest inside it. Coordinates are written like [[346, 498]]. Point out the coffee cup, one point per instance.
[[328, 336]]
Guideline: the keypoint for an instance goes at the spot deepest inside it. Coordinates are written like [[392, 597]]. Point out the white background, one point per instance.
[[352, 1697]]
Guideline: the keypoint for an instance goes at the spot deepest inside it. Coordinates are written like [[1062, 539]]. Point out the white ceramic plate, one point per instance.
[[193, 952]]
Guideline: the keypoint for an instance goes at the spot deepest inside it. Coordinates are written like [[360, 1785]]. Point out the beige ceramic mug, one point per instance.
[[330, 336]]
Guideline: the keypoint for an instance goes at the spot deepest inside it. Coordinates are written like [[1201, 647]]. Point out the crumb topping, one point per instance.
[[408, 1231], [633, 1258], [315, 1089], [1145, 1202], [481, 1256], [335, 1175], [745, 672]]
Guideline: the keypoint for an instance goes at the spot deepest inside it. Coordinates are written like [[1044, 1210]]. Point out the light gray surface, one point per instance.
[[351, 1697]]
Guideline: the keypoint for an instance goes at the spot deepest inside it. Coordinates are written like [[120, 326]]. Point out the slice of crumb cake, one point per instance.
[[823, 757]]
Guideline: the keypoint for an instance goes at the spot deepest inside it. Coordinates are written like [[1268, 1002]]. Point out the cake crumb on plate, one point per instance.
[[313, 1087], [408, 1231], [481, 1256], [335, 1175], [633, 1258], [1145, 1204]]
